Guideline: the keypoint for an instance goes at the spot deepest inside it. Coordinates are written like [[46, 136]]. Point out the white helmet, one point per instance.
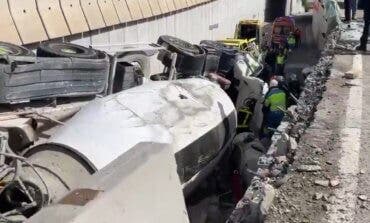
[[274, 83]]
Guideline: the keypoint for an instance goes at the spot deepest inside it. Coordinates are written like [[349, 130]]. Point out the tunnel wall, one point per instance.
[[94, 22], [278, 8], [213, 20]]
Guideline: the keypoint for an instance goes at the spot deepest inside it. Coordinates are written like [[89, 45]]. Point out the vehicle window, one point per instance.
[[247, 32]]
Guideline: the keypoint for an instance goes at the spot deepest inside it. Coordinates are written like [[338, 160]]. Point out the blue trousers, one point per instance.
[[354, 7], [272, 120]]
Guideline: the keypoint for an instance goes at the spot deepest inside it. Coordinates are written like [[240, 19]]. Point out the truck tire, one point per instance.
[[65, 50], [14, 50], [190, 58], [227, 57], [177, 45]]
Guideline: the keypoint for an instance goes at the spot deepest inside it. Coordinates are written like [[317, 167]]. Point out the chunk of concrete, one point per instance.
[[309, 168]]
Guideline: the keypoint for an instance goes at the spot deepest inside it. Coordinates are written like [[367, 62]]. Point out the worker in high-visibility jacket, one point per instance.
[[280, 62], [274, 108], [291, 41]]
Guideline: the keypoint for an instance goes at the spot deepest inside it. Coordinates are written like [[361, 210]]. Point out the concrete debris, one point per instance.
[[362, 197], [362, 171], [284, 142], [307, 71], [334, 182], [318, 196], [329, 163], [249, 206], [269, 195], [325, 207], [323, 183], [281, 159], [349, 75], [293, 145], [292, 113], [309, 168]]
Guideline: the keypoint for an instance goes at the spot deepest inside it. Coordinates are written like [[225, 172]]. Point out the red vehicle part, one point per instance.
[[281, 29]]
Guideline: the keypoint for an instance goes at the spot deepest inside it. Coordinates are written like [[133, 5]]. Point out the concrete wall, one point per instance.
[[294, 7], [213, 20]]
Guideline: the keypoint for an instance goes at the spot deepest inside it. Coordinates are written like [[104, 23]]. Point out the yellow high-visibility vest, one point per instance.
[[291, 40], [280, 59]]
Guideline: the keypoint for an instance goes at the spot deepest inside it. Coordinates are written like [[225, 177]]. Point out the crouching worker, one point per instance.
[[274, 108]]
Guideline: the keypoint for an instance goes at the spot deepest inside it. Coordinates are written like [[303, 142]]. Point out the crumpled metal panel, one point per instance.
[[27, 21], [52, 18], [74, 16], [9, 32]]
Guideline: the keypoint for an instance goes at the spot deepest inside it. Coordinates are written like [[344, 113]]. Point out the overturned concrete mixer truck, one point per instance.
[[178, 108]]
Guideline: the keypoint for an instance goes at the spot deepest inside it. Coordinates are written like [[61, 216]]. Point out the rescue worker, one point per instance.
[[280, 62], [291, 42], [297, 34], [347, 10], [274, 108], [354, 9], [270, 58], [365, 5]]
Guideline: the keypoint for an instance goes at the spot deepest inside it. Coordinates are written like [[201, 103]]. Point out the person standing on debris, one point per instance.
[[291, 42], [280, 62], [354, 9], [274, 108], [297, 34], [347, 10], [364, 5], [270, 58]]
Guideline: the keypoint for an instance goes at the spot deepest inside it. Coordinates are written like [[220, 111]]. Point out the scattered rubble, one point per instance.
[[323, 183], [318, 196], [362, 197], [334, 182], [309, 168], [284, 142]]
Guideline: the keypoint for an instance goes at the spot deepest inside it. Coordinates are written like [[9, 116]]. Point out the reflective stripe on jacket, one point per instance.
[[276, 99], [280, 59], [291, 40]]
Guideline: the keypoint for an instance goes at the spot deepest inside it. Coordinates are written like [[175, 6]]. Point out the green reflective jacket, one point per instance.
[[280, 59], [276, 99], [291, 40]]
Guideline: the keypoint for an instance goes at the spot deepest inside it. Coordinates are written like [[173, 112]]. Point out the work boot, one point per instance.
[[361, 48]]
